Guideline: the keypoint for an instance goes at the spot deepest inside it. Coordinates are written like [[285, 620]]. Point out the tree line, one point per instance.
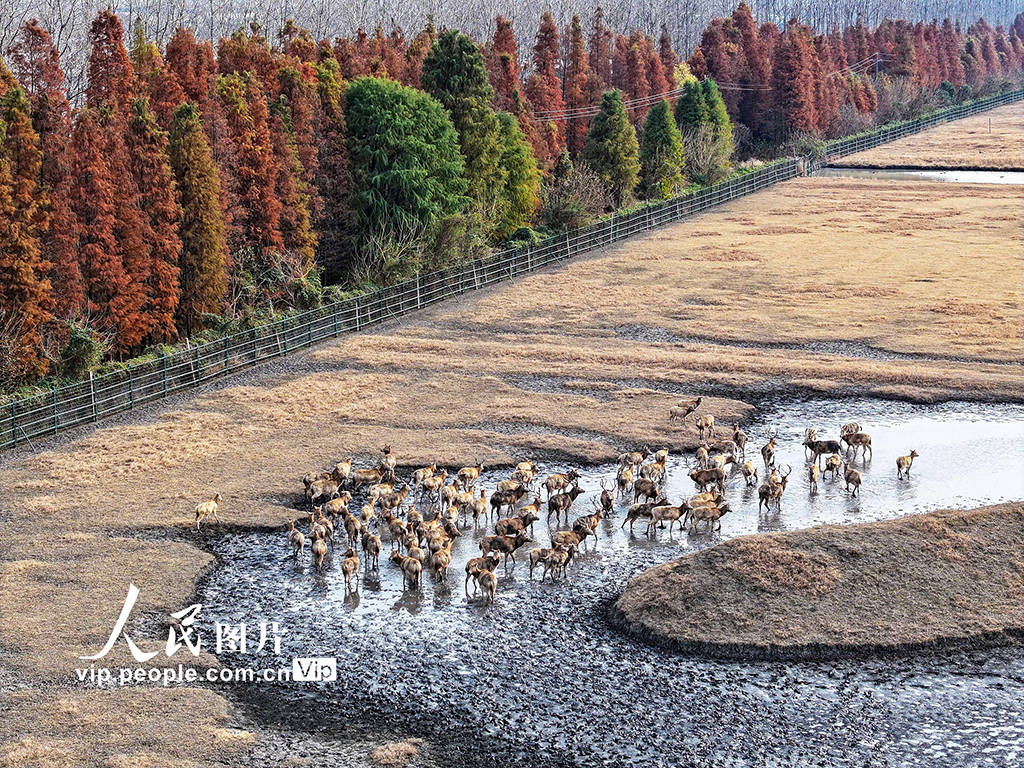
[[201, 188]]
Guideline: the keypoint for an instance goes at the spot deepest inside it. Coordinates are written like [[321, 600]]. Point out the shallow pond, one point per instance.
[[938, 174], [541, 678]]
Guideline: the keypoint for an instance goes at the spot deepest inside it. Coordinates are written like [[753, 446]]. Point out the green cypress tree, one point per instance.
[[718, 116], [203, 261], [406, 168], [661, 154], [520, 196], [455, 75], [691, 109], [611, 150]]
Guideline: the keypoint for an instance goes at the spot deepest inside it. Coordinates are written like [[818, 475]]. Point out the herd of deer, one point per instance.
[[422, 538]]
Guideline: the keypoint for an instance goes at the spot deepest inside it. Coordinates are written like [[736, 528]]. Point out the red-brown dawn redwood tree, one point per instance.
[[26, 298], [37, 66], [545, 87], [576, 88]]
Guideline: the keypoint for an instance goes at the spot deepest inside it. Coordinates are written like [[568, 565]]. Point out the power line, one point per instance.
[[857, 68]]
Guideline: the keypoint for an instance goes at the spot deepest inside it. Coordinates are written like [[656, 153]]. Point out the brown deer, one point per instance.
[[859, 440], [319, 549], [706, 426], [904, 463], [560, 482], [469, 475], [206, 509], [561, 502], [410, 567], [476, 565], [505, 545], [350, 570], [296, 540], [852, 478]]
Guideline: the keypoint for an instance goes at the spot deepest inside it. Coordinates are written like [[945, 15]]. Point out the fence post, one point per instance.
[[227, 357], [56, 417], [92, 396], [14, 421], [419, 304], [357, 311], [165, 373], [131, 390]]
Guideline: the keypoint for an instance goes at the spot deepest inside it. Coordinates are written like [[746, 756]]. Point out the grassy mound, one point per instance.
[[941, 579]]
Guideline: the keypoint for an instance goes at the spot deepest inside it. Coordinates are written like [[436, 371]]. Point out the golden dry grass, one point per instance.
[[990, 140], [959, 577], [582, 360]]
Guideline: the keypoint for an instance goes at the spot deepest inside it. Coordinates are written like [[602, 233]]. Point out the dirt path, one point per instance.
[[992, 140], [906, 290]]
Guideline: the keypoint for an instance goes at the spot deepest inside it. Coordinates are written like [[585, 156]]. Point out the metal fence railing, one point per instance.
[[90, 400]]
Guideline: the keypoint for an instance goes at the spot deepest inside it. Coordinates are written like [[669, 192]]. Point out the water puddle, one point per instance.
[[541, 678], [904, 174]]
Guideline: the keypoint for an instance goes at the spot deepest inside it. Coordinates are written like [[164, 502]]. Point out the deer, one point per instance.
[[670, 513], [361, 477], [469, 475], [509, 526], [706, 425], [561, 502], [488, 582], [768, 452], [772, 490], [684, 408], [852, 478], [700, 456], [480, 506], [350, 570], [371, 548], [296, 540], [432, 485], [623, 479], [749, 473], [206, 509], [607, 499], [476, 565], [903, 465], [813, 473], [394, 499], [449, 493], [739, 437], [500, 499], [423, 473], [319, 549], [810, 435], [849, 429], [648, 489], [556, 562], [821, 448], [634, 458], [505, 545], [861, 440], [540, 554], [721, 461], [702, 478], [833, 464], [336, 506], [571, 539], [712, 515], [410, 567], [654, 471], [638, 512], [441, 560], [387, 457], [560, 482]]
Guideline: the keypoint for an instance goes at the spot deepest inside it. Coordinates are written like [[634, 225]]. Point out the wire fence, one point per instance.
[[100, 396]]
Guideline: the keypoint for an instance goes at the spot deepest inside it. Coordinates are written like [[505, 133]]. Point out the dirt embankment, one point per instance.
[[949, 578], [992, 140]]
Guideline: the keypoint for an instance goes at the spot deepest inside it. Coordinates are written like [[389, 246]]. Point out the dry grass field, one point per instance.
[[835, 285], [992, 140], [828, 590]]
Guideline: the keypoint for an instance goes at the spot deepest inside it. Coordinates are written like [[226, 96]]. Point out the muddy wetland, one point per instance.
[[542, 678]]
